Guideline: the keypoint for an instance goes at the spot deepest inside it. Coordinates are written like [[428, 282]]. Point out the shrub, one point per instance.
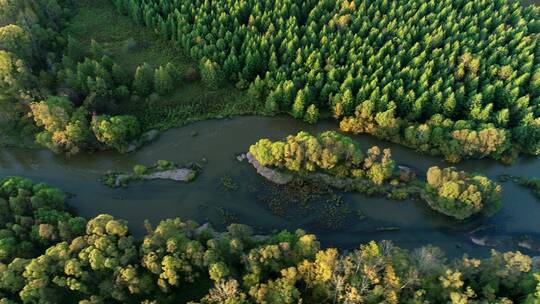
[[163, 164], [139, 169]]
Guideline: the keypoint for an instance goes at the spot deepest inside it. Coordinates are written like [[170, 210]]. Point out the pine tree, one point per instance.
[[299, 104], [119, 75], [74, 49], [312, 114], [271, 106], [210, 73], [231, 67], [95, 49], [143, 83], [163, 81]]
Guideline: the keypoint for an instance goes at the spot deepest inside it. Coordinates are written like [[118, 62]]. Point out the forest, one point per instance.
[[458, 79], [49, 255], [421, 73], [454, 79]]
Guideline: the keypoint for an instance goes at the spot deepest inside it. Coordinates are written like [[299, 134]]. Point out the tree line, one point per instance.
[[452, 78], [49, 255], [393, 69]]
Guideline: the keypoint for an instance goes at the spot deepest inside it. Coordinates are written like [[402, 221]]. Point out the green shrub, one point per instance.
[[116, 132], [163, 164], [139, 169]]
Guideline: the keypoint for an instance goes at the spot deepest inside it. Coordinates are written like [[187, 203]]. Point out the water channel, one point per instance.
[[206, 200]]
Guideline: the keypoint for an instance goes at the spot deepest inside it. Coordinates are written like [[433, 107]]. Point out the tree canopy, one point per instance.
[[460, 194], [328, 152], [394, 69], [47, 255]]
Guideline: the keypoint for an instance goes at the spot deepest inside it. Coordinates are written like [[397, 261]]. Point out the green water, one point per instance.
[[218, 141]]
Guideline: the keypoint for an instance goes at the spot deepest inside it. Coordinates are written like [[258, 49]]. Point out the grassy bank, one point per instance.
[[131, 45]]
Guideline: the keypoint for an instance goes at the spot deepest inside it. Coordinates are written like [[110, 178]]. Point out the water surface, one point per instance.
[[204, 200]]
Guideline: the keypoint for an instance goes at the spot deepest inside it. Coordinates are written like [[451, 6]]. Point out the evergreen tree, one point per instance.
[[312, 114], [74, 49], [119, 75], [210, 73], [163, 81], [299, 104], [143, 83]]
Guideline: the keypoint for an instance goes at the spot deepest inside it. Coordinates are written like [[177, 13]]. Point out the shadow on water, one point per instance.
[[409, 224]]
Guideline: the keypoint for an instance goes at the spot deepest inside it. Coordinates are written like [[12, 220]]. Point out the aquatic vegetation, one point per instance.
[[228, 183], [333, 213], [360, 215], [296, 197], [227, 216], [532, 183], [303, 198], [162, 169]]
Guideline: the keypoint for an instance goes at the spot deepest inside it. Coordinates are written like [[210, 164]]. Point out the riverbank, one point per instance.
[[37, 248]]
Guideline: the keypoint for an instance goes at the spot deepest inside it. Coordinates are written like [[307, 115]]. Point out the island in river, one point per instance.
[[163, 169]]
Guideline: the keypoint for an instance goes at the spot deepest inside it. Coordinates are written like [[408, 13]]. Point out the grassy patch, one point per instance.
[[131, 45], [190, 102], [100, 21]]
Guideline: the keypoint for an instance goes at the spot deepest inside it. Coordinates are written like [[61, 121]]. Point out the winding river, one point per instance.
[[215, 143]]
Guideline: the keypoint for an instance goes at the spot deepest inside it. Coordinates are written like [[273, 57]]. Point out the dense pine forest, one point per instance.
[[454, 79], [419, 73]]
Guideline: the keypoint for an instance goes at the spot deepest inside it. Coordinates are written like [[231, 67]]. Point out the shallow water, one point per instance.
[[218, 141]]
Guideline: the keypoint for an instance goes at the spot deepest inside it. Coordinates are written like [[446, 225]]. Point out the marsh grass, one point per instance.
[[131, 45]]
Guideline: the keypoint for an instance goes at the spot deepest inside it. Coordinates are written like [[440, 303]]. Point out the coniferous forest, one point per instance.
[[456, 83], [421, 73]]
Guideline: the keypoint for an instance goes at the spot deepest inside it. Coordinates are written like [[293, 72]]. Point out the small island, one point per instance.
[[339, 162], [162, 169]]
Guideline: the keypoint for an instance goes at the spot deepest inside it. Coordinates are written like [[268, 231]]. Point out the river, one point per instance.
[[205, 199]]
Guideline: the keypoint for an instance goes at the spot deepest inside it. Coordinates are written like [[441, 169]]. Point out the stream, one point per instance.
[[215, 143]]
